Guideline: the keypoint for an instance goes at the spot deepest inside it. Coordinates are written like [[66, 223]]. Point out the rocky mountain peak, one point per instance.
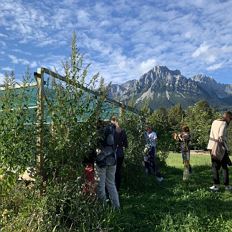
[[165, 70], [162, 87], [203, 78]]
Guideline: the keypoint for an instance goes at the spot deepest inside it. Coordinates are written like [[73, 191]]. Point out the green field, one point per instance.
[[173, 205]]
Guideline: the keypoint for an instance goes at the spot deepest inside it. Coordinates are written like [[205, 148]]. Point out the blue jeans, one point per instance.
[[106, 179]]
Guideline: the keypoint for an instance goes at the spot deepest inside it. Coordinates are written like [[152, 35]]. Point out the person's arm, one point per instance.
[[222, 132], [180, 137], [222, 135], [155, 137], [125, 142]]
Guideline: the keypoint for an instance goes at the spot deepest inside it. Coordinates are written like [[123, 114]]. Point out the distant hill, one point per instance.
[[162, 87]]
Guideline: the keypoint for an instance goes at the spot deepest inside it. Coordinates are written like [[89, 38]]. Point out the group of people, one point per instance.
[[112, 143], [108, 156], [217, 146]]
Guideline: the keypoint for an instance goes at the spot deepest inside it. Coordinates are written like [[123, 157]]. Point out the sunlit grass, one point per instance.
[[174, 205]]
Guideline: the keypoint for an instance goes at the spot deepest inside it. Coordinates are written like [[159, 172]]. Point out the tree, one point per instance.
[[159, 121], [199, 118], [176, 117]]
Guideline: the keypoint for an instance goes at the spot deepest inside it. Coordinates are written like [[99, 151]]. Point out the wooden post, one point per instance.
[[40, 127], [121, 111]]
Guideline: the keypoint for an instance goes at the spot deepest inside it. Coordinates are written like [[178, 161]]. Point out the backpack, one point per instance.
[[107, 156]]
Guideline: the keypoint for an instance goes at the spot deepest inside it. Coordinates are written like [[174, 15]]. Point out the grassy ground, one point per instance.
[[147, 206], [173, 205]]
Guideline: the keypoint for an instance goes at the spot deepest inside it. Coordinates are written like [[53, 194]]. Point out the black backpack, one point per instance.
[[107, 156]]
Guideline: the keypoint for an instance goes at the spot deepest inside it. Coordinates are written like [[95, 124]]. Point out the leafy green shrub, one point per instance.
[[69, 136], [17, 131]]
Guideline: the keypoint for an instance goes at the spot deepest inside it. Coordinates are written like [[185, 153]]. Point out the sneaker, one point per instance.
[[159, 179], [214, 188], [228, 188]]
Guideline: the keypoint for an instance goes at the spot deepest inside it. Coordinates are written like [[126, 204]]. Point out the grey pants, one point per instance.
[[106, 179]]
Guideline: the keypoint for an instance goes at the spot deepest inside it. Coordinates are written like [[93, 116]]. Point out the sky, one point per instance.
[[121, 39]]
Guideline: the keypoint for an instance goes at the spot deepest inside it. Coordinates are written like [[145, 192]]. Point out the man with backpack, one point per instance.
[[219, 150], [106, 165]]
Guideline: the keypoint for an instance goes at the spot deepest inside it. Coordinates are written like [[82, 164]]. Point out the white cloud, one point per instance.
[[22, 61], [83, 17], [147, 65], [2, 76], [16, 60], [214, 67], [3, 35], [202, 50], [7, 69], [33, 64], [122, 39]]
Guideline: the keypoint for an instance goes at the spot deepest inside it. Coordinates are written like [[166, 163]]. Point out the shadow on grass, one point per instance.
[[172, 204]]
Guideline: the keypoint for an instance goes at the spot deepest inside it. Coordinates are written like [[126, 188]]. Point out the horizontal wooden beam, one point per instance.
[[94, 92]]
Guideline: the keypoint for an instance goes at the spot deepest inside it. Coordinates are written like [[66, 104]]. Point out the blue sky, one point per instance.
[[122, 39]]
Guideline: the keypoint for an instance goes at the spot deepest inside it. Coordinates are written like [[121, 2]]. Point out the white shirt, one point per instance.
[[218, 131], [152, 138]]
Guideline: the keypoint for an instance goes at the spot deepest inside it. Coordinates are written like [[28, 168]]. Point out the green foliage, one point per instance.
[[175, 117], [229, 137], [146, 204], [72, 115], [17, 136], [199, 118], [70, 135], [160, 123], [134, 126]]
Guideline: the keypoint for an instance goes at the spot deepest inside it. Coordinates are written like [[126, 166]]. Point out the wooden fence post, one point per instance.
[[39, 76], [121, 111]]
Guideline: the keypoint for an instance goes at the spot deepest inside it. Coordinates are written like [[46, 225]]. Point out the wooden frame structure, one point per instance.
[[39, 76]]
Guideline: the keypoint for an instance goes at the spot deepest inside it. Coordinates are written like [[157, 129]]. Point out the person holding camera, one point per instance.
[[185, 138], [219, 150]]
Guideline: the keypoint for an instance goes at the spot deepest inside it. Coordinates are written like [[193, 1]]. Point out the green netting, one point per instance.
[[30, 94]]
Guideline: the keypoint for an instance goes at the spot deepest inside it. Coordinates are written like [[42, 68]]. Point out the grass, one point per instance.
[[173, 205], [147, 206]]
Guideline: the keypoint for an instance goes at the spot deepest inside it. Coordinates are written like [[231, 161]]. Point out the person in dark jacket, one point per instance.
[[106, 166], [121, 144]]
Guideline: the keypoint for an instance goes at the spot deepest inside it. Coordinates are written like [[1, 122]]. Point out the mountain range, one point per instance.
[[162, 87]]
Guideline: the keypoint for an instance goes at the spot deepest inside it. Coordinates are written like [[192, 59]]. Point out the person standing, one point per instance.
[[152, 165], [106, 166], [121, 144], [219, 150], [184, 138]]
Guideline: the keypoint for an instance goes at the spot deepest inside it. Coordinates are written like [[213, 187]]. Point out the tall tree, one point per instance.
[[199, 118]]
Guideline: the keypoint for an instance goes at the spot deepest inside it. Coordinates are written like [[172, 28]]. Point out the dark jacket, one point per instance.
[[120, 142]]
